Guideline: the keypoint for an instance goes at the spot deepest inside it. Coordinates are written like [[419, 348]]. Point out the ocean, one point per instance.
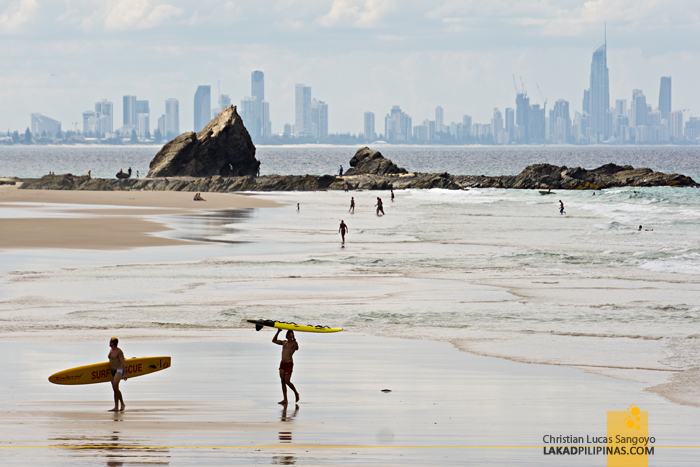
[[494, 272]]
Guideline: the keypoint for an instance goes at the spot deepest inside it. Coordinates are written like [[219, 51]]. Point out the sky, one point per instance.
[[58, 57]]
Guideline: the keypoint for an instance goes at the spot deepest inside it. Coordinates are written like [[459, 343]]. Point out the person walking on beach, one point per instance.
[[343, 228], [380, 206], [392, 195], [118, 367], [289, 346], [561, 207], [352, 205], [297, 207]]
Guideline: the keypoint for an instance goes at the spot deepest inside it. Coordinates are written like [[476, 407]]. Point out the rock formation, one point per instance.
[[223, 147], [369, 162]]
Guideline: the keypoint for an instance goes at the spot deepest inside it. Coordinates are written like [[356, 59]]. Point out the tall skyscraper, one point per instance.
[[522, 118], [129, 111], [266, 123], [302, 113], [142, 118], [467, 122], [600, 94], [202, 107], [319, 119], [398, 126], [247, 112], [161, 126], [105, 110], [586, 104], [257, 92], [172, 119], [665, 97], [536, 121], [676, 124], [369, 132], [510, 123], [560, 122], [439, 119], [638, 110], [496, 124]]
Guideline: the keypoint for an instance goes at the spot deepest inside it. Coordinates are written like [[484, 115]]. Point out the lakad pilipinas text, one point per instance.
[[627, 443]]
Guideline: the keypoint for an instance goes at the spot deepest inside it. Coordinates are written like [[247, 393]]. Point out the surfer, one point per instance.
[[289, 346], [342, 229], [352, 205], [118, 367]]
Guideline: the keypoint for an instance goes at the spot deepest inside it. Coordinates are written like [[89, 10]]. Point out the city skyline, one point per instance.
[[358, 56]]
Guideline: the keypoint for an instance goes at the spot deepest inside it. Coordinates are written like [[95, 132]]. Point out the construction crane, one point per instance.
[[515, 84], [523, 85], [543, 98]]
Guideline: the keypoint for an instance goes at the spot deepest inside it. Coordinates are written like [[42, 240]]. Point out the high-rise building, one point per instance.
[[522, 118], [202, 107], [638, 109], [467, 122], [496, 124], [439, 119], [129, 117], [161, 126], [398, 126], [536, 121], [586, 104], [510, 123], [319, 119], [105, 110], [369, 133], [142, 123], [266, 123], [600, 95], [247, 112], [560, 122], [257, 92], [224, 101], [665, 97], [676, 124], [42, 124], [302, 113], [172, 119]]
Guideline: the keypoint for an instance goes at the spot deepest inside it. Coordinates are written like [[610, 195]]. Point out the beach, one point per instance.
[[493, 320]]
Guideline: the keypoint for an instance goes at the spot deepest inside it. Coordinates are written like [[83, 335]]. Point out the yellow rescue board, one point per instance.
[[260, 323], [101, 372]]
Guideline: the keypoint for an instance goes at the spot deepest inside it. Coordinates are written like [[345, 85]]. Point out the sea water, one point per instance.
[[494, 272]]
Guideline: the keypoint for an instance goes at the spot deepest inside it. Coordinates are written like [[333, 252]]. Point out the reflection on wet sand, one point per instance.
[[204, 227], [114, 448], [285, 437]]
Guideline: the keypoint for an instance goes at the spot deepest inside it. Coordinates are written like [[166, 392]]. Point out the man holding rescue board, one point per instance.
[[117, 364], [289, 346]]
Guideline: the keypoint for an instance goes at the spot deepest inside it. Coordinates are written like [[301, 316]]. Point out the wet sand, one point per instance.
[[60, 219], [445, 407]]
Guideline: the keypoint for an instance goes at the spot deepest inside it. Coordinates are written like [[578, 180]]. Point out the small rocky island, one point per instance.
[[221, 158]]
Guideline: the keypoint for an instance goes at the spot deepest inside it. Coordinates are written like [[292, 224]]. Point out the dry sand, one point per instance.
[[120, 227]]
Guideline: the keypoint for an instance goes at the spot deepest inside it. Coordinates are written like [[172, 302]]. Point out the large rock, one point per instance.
[[369, 162], [222, 144]]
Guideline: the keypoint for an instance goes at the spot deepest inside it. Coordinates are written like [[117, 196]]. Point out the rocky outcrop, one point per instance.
[[369, 162], [538, 176], [223, 147]]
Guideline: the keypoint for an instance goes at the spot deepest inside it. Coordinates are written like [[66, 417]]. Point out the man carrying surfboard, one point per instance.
[[118, 366], [289, 346]]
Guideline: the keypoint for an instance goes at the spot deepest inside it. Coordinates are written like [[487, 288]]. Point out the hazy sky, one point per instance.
[[60, 56]]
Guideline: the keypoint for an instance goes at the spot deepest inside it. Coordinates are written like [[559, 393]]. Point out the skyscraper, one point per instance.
[[319, 119], [105, 110], [302, 113], [172, 119], [496, 124], [398, 126], [665, 97], [510, 123], [560, 122], [676, 124], [600, 95], [257, 92], [439, 118], [266, 123], [370, 135], [247, 112], [522, 118], [202, 107], [129, 111], [638, 110], [467, 122], [142, 118]]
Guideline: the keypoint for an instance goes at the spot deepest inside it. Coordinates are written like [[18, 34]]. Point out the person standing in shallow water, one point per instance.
[[561, 207], [343, 229], [380, 206], [118, 369], [352, 205], [289, 346]]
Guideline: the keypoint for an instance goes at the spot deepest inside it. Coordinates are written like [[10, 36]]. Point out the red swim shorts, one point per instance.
[[287, 367]]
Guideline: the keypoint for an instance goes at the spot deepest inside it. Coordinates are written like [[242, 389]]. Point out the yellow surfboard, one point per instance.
[[260, 323], [101, 372]]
